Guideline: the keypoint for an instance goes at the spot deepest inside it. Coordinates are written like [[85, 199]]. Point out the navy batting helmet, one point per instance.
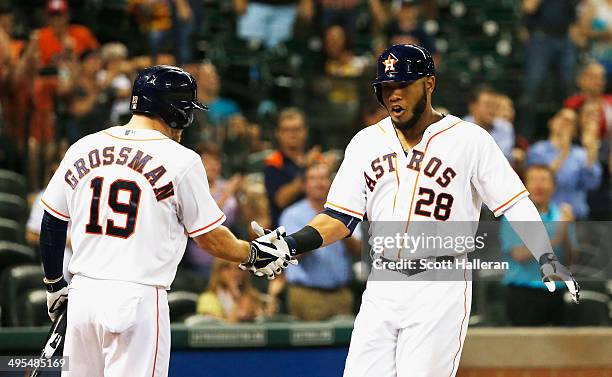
[[402, 63], [167, 92]]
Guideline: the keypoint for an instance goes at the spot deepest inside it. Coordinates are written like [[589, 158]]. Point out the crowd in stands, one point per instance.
[[287, 84]]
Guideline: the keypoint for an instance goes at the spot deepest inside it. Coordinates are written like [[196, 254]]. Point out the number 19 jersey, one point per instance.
[[134, 197]]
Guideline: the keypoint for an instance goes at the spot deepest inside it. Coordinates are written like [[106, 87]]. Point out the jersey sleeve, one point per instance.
[[55, 198], [494, 179], [348, 192], [198, 211]]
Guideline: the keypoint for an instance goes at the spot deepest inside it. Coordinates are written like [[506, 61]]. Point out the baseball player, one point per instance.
[[133, 195], [416, 166]]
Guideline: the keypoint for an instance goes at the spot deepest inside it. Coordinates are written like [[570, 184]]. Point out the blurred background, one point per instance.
[[288, 84]]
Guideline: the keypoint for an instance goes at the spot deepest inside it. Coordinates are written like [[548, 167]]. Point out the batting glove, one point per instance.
[[552, 270], [269, 253], [57, 295]]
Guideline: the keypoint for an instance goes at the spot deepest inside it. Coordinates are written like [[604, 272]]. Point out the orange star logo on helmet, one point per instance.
[[390, 63]]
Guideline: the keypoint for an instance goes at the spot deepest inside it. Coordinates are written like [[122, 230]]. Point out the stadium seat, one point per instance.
[[182, 304], [11, 231], [12, 254], [12, 183], [13, 207], [33, 308], [14, 283]]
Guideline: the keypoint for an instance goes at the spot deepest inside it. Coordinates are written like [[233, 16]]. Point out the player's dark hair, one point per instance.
[[480, 89]]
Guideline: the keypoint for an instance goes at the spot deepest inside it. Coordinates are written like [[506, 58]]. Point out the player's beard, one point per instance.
[[418, 110]]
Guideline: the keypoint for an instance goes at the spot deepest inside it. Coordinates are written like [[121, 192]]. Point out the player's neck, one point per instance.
[[414, 135], [141, 122]]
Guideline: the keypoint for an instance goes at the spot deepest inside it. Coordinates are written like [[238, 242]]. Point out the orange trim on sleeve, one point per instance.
[[52, 209], [511, 199], [345, 209], [209, 225]]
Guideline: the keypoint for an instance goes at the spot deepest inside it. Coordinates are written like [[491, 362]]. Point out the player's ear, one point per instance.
[[430, 83]]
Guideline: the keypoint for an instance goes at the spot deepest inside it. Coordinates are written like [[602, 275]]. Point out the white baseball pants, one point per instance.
[[116, 329], [410, 328]]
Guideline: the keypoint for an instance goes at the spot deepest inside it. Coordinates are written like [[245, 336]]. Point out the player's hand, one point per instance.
[[57, 295], [552, 270], [269, 254]]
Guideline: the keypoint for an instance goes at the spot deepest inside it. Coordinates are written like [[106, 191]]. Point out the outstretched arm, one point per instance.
[[222, 243], [324, 229], [524, 218]]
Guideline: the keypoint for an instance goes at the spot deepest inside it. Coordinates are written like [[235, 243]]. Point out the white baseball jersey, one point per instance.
[[445, 177], [133, 196], [417, 325]]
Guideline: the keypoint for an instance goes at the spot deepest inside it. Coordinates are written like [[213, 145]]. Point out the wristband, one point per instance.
[[305, 239], [55, 284]]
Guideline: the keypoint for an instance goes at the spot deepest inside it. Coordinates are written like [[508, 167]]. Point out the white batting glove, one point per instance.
[[552, 270], [269, 253], [57, 295]]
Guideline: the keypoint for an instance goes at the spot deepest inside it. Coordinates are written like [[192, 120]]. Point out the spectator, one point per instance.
[[254, 206], [17, 67], [230, 295], [209, 85], [505, 108], [592, 84], [88, 100], [483, 108], [528, 301], [117, 76], [59, 43], [406, 28], [341, 63], [236, 142], [284, 167], [60, 38], [596, 26], [270, 22], [548, 46], [576, 168], [318, 285], [342, 13], [340, 59], [224, 194]]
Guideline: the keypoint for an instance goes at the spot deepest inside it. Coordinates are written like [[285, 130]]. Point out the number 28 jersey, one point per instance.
[[445, 177], [134, 197]]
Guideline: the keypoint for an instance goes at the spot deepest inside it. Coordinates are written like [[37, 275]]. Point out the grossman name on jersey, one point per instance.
[[135, 160], [428, 264]]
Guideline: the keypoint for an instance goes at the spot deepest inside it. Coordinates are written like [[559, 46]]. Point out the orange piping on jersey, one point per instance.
[[157, 336], [209, 225], [462, 321], [125, 138], [52, 209], [419, 174], [345, 209], [398, 181], [506, 203]]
